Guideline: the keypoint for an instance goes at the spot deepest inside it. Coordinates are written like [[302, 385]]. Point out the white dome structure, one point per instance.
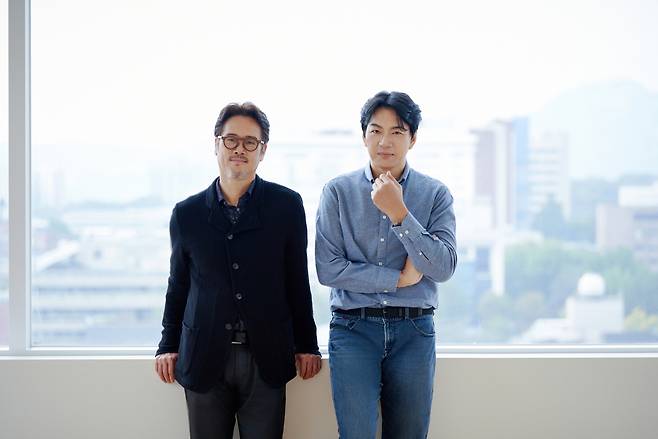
[[591, 284]]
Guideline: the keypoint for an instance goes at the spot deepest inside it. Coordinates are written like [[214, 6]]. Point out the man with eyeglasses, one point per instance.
[[385, 237], [238, 319]]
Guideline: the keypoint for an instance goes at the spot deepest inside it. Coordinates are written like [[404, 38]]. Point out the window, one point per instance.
[[547, 152]]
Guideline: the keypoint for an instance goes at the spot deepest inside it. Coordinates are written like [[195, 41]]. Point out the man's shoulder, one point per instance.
[[347, 179], [193, 201], [279, 192], [190, 210], [425, 182]]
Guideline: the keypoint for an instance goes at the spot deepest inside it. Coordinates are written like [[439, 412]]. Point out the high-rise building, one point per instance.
[[548, 174], [495, 171], [520, 175], [633, 224], [520, 138]]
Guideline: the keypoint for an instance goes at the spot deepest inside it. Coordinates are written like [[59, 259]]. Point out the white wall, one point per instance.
[[488, 397]]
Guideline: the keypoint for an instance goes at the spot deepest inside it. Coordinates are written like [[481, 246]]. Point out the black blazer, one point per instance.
[[257, 266]]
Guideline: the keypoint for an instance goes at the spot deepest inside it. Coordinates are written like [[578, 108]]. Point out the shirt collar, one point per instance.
[[403, 177], [220, 196]]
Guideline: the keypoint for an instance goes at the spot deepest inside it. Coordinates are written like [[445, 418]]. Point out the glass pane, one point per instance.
[[4, 179], [102, 191], [550, 156]]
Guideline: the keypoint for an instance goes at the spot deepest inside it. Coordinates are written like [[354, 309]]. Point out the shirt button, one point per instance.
[[385, 302], [383, 216], [235, 266], [400, 235], [229, 236], [406, 232], [386, 291], [381, 239], [228, 326], [238, 296], [380, 263]]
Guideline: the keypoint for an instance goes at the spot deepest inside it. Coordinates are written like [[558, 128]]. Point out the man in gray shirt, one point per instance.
[[385, 238]]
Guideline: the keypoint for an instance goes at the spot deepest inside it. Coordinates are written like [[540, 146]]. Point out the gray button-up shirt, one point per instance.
[[360, 254]]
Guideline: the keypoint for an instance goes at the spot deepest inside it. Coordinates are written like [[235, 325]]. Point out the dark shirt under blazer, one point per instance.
[[257, 266]]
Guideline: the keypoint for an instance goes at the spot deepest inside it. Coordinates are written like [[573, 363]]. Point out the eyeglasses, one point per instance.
[[249, 143]]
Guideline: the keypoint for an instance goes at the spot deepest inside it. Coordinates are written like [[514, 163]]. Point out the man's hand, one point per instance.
[[164, 366], [308, 365], [387, 196], [409, 274]]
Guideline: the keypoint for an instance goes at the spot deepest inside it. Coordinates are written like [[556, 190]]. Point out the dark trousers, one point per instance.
[[259, 408]]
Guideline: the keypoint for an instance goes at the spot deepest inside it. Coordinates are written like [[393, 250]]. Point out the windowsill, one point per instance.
[[447, 352]]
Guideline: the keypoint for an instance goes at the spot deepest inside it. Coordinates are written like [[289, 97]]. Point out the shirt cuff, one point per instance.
[[387, 280], [409, 230]]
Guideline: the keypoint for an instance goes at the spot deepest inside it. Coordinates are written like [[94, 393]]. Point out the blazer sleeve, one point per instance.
[[297, 283], [177, 289]]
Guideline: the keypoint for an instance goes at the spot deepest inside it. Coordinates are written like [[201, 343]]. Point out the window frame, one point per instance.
[[19, 148]]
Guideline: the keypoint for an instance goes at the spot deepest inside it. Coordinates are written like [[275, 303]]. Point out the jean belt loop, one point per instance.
[[406, 312], [363, 313]]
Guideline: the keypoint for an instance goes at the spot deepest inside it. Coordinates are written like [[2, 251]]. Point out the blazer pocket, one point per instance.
[[187, 346]]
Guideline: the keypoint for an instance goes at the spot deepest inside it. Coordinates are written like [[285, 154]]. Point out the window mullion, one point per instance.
[[19, 176]]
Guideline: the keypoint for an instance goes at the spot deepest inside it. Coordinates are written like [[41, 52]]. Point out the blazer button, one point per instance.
[[238, 296], [229, 236], [228, 326], [235, 266]]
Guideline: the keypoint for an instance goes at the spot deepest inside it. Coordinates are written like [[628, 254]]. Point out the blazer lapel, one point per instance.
[[250, 218], [216, 217]]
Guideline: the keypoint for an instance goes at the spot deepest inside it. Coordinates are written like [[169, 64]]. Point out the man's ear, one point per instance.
[[262, 152], [413, 141]]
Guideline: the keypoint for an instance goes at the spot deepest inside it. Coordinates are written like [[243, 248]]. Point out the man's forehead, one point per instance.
[[398, 124], [241, 125]]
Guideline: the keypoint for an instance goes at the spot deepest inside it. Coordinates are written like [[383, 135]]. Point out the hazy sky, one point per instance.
[[155, 73]]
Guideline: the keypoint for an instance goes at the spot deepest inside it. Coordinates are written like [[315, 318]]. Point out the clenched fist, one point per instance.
[[387, 196]]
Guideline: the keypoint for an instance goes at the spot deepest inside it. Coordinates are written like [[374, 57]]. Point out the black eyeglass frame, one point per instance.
[[239, 140]]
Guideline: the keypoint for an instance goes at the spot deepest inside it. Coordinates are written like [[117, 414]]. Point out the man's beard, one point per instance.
[[238, 175]]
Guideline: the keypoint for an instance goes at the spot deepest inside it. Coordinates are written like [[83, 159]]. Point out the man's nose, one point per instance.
[[385, 140]]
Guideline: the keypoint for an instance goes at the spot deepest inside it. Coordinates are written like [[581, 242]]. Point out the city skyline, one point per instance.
[[81, 248]]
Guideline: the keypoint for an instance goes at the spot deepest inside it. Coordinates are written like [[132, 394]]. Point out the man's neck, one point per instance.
[[233, 189]]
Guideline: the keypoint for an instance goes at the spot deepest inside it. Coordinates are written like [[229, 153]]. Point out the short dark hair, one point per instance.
[[406, 109], [247, 109]]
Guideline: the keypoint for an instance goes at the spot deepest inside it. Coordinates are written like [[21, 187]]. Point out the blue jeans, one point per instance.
[[389, 361]]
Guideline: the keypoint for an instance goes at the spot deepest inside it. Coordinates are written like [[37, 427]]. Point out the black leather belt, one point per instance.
[[388, 311], [239, 337]]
